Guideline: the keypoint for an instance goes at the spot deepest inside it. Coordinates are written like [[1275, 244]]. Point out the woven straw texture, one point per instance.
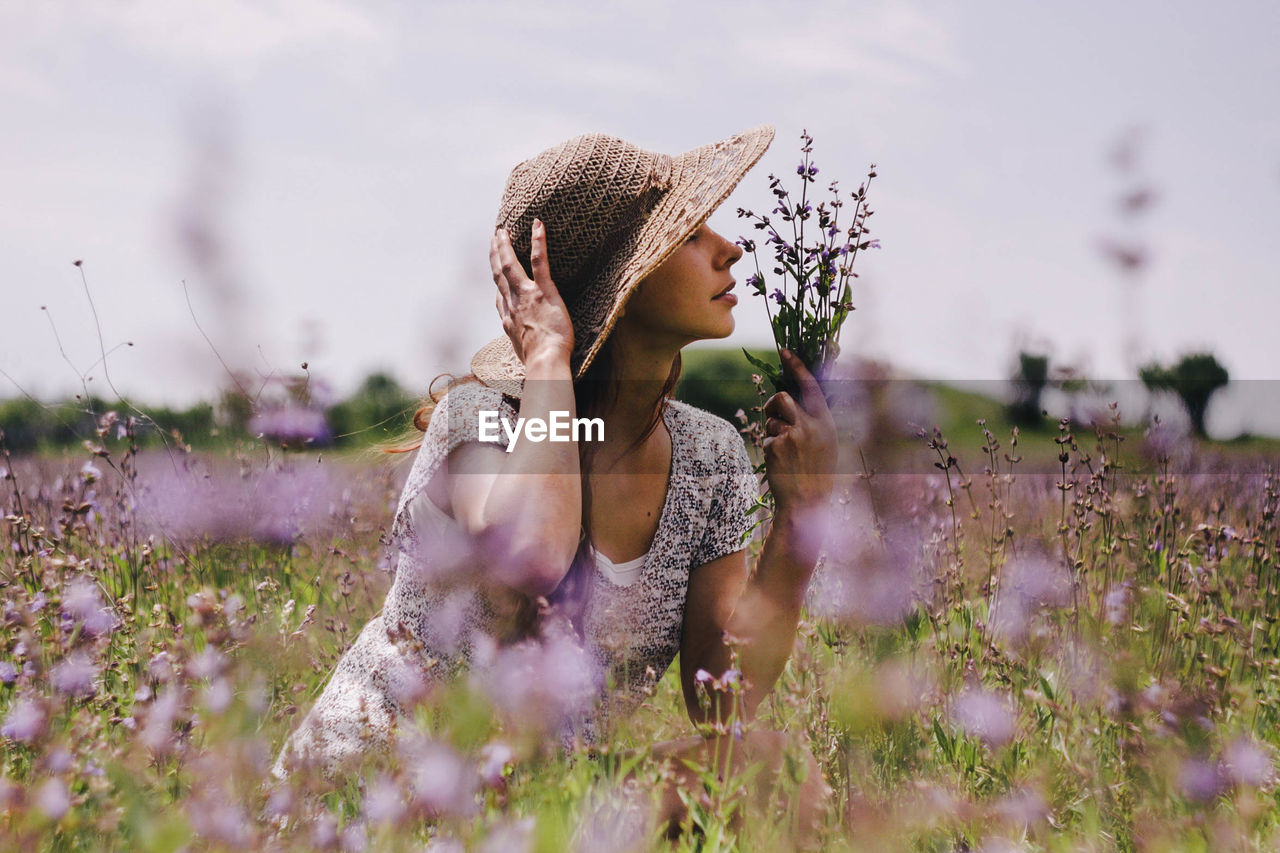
[[613, 213]]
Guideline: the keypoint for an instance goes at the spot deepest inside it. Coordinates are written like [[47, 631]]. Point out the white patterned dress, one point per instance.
[[632, 632]]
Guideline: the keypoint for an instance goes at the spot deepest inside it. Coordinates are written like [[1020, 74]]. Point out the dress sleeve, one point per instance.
[[732, 511]]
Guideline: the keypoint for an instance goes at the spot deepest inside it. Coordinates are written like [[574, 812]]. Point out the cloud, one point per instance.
[[231, 36], [891, 43]]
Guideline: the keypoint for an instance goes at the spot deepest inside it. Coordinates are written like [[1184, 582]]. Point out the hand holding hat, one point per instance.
[[533, 314], [614, 212]]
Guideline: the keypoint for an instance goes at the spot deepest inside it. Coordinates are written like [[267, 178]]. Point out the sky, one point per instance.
[[274, 182]]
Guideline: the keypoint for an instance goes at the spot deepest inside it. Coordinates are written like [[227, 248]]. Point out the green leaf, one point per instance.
[[944, 741]]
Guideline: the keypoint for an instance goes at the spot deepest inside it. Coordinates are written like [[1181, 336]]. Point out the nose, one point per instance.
[[733, 252]]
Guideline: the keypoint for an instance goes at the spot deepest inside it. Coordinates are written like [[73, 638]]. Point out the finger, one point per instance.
[[538, 257], [810, 390], [510, 265], [773, 426], [782, 406], [495, 265]]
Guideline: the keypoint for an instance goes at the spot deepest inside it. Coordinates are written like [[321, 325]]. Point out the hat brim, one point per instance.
[[701, 179]]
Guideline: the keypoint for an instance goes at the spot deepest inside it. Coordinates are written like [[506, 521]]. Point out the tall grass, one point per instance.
[[991, 659]]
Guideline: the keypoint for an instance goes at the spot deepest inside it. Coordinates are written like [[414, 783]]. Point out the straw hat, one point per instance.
[[613, 213]]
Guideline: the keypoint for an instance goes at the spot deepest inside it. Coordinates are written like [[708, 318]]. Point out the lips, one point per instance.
[[731, 286]]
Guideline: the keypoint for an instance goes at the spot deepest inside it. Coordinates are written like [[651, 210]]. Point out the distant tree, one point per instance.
[[1194, 379], [26, 424], [719, 380], [378, 410], [1028, 384], [234, 408]]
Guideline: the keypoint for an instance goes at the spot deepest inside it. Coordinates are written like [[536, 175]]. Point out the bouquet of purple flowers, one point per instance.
[[814, 297]]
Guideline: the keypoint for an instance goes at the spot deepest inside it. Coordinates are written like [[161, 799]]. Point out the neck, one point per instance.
[[643, 366]]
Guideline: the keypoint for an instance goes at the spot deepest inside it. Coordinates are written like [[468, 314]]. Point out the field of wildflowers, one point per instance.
[[1077, 654]]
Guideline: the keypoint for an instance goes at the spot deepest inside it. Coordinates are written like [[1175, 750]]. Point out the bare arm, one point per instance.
[[760, 614], [527, 504]]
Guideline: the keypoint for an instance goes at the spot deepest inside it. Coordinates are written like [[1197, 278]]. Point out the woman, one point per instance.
[[605, 269]]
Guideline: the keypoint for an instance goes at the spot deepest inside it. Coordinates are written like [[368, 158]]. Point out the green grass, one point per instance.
[[1126, 697]]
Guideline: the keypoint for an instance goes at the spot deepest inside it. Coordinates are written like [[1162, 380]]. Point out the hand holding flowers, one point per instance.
[[800, 446]]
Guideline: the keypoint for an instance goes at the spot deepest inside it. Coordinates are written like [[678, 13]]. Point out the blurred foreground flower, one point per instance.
[[864, 578], [1027, 584], [83, 603], [75, 676], [984, 715], [1201, 780], [277, 505], [53, 799], [441, 781], [292, 426], [544, 685], [26, 721], [1249, 763]]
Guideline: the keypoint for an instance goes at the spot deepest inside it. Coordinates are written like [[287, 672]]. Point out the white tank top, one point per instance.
[[431, 523]]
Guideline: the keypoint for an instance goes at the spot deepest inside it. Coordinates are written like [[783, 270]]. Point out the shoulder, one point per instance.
[[463, 402], [712, 440]]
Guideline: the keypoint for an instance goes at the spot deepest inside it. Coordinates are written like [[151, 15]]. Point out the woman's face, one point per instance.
[[682, 297]]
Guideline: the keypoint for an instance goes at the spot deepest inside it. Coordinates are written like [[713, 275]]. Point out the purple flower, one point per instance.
[[1247, 763], [160, 667], [208, 664], [1201, 781], [1028, 584], [984, 715], [384, 802], [778, 296], [324, 832], [616, 819], [157, 734], [275, 506], [75, 676], [214, 816], [58, 760], [494, 759], [53, 799], [549, 683], [440, 781], [291, 425], [26, 721], [1116, 605], [218, 696], [8, 674], [83, 604], [509, 837]]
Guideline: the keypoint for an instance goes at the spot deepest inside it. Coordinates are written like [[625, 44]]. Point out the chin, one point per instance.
[[725, 330]]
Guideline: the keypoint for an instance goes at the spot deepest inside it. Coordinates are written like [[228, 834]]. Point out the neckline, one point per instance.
[[627, 566], [669, 418]]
